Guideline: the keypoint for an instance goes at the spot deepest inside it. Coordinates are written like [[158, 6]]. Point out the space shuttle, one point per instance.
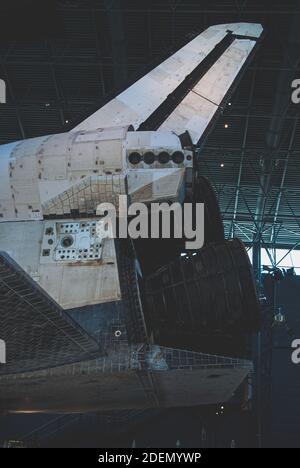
[[99, 324]]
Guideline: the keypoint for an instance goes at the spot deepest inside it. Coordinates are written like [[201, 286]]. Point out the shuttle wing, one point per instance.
[[38, 334], [185, 91]]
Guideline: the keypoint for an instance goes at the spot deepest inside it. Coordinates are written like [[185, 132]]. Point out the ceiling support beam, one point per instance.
[[243, 153], [284, 174]]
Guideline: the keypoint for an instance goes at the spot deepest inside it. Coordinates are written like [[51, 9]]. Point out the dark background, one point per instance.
[[63, 59], [29, 20]]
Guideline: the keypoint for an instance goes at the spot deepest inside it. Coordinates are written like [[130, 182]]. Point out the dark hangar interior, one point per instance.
[[63, 60]]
